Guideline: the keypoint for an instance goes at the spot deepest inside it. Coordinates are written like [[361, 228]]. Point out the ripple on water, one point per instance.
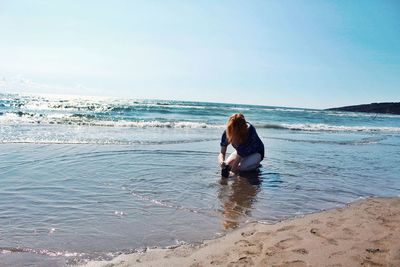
[[91, 200]]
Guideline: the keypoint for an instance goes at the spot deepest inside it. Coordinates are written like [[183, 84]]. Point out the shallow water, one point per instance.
[[91, 188]]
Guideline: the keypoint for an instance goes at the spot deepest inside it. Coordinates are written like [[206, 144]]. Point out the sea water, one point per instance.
[[86, 178]]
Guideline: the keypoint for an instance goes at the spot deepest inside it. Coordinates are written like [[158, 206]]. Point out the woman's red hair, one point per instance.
[[236, 129]]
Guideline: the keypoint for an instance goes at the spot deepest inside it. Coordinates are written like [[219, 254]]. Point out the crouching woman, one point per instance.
[[249, 149]]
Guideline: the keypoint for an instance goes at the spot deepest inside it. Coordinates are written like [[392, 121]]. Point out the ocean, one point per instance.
[[86, 178]]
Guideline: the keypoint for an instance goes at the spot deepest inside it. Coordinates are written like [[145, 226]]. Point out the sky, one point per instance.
[[314, 54]]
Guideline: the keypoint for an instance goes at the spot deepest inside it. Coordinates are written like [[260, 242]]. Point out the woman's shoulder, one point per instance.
[[250, 126]]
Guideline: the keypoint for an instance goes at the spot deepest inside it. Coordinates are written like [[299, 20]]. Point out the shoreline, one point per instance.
[[363, 233]]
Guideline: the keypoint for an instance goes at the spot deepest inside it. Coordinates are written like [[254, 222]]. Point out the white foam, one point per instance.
[[359, 114], [60, 118], [289, 110], [340, 128]]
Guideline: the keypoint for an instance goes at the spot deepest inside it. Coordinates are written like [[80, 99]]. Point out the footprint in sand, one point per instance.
[[316, 232], [332, 224], [244, 243], [335, 222], [376, 250], [302, 251], [271, 251], [218, 260], [349, 232], [262, 235], [295, 263], [242, 261], [316, 221], [285, 228], [367, 262], [288, 242], [250, 248], [250, 233], [337, 253]]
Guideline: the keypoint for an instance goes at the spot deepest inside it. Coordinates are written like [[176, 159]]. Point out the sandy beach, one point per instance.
[[365, 233]]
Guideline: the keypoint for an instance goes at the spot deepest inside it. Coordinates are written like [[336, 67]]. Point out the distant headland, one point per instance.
[[388, 107]]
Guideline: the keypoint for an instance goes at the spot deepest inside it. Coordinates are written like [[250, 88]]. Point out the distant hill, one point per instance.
[[389, 107]]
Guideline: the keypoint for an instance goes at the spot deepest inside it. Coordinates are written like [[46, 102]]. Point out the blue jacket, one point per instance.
[[252, 145]]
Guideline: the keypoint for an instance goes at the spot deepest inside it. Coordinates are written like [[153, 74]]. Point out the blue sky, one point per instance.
[[315, 54]]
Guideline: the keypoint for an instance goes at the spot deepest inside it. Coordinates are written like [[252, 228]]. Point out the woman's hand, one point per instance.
[[221, 157], [221, 160], [235, 164]]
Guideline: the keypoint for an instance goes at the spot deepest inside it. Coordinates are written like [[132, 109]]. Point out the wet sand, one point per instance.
[[365, 233]]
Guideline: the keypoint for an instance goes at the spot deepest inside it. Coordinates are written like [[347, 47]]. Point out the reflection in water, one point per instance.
[[237, 196]]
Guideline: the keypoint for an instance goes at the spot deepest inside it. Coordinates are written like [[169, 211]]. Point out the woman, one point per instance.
[[249, 147]]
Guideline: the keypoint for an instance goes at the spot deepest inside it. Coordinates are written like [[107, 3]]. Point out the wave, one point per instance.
[[359, 114], [290, 110], [45, 252], [72, 258], [103, 104], [111, 112], [364, 141], [270, 126], [167, 204], [100, 141], [320, 127], [93, 120]]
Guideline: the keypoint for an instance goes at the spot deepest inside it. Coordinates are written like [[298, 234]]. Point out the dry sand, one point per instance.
[[366, 233]]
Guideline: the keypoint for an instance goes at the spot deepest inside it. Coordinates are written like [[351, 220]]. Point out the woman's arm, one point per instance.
[[221, 156]]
